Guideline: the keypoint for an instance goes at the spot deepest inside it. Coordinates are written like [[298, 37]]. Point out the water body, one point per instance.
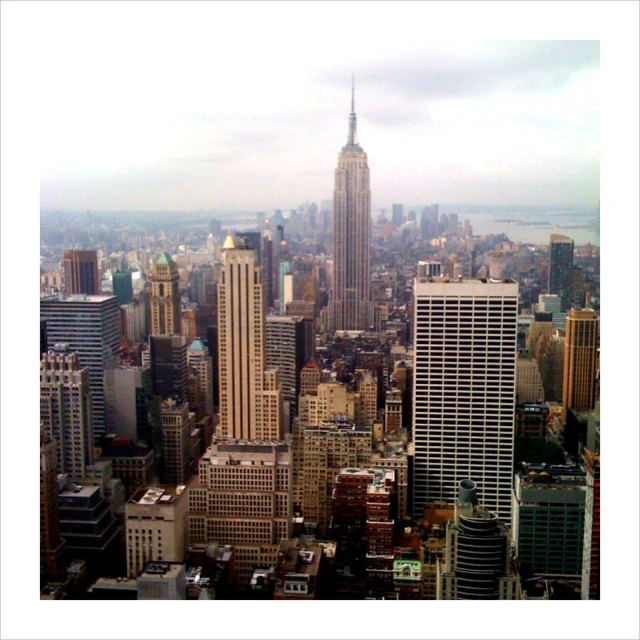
[[536, 227]]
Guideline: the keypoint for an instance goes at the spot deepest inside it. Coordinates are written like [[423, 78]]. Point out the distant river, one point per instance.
[[535, 227]]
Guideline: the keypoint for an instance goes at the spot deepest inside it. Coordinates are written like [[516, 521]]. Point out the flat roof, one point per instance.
[[78, 297]]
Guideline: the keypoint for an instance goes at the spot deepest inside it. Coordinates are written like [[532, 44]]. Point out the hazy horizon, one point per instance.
[[251, 123]]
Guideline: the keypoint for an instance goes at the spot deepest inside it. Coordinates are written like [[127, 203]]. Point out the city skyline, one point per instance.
[[255, 158]]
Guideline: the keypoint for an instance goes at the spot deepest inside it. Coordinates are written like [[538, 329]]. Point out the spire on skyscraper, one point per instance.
[[353, 135]]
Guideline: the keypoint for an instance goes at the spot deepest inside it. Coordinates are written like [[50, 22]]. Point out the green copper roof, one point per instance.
[[165, 258], [197, 345]]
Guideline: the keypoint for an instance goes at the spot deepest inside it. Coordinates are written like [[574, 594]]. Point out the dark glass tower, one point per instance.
[[561, 269]]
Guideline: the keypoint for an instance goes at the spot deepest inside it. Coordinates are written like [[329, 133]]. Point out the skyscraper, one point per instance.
[[350, 306], [199, 359], [65, 410], [580, 361], [51, 544], [123, 286], [591, 547], [165, 298], [464, 390], [289, 346], [250, 398], [397, 215], [561, 269], [169, 370], [81, 272], [89, 325]]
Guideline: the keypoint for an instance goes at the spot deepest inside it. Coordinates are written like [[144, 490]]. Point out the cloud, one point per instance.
[[519, 67]]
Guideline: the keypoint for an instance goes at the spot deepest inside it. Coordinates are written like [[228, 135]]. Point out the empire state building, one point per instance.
[[350, 306]]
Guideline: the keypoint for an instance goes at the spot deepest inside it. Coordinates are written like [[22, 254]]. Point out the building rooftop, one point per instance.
[[127, 451], [197, 345], [465, 281], [161, 571], [165, 258], [78, 297], [157, 495]]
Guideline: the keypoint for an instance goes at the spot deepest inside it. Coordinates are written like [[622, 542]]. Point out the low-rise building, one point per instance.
[[297, 570], [162, 581]]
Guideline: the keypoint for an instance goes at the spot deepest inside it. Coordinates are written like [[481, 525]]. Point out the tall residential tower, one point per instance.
[[350, 305]]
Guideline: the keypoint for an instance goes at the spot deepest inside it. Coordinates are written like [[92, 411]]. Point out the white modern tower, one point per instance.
[[464, 390]]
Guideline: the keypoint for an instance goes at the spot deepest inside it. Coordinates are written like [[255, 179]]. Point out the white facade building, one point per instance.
[[464, 390]]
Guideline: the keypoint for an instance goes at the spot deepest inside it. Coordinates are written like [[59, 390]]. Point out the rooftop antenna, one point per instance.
[[353, 93]]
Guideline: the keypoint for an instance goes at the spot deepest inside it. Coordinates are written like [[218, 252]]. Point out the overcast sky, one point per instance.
[[246, 106]]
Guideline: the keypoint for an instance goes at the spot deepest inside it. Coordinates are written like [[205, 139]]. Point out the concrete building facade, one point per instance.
[[155, 523]]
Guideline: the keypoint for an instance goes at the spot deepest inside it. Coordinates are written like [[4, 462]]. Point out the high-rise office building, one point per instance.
[[561, 269], [268, 270], [198, 358], [580, 361], [43, 338], [165, 298], [551, 303], [285, 282], [591, 546], [397, 215], [242, 497], [129, 400], [548, 519], [212, 345], [552, 369], [81, 273], [464, 390], [51, 544], [169, 369], [528, 381], [65, 410], [250, 398], [123, 286], [289, 346], [177, 424], [133, 318], [89, 325], [350, 306]]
